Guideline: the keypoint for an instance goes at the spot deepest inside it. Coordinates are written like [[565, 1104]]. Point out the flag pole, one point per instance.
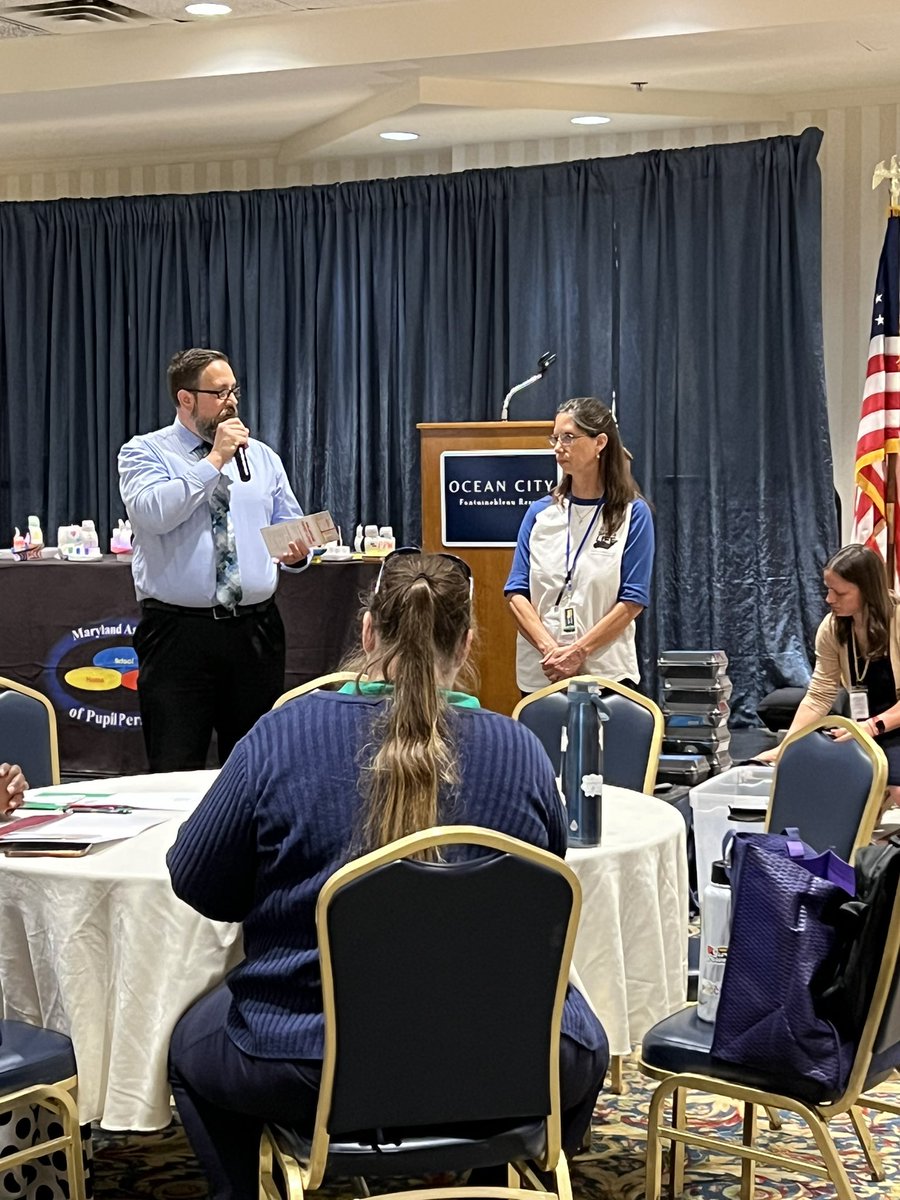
[[890, 502], [878, 437], [892, 568]]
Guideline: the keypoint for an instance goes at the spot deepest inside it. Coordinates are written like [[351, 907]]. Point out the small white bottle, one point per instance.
[[35, 536], [358, 540], [386, 536], [715, 933], [90, 535], [370, 539]]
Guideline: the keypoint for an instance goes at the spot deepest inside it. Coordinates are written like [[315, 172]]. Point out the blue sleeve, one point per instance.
[[284, 503], [213, 862], [637, 557], [520, 572]]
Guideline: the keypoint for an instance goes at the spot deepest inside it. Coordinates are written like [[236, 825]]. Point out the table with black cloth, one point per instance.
[[65, 630]]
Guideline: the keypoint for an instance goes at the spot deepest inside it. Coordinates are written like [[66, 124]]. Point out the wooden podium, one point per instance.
[[496, 655]]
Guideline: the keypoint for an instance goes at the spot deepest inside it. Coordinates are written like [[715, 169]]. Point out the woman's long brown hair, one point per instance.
[[862, 567], [619, 488], [421, 615]]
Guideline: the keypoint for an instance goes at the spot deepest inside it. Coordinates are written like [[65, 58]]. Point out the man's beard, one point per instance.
[[207, 427]]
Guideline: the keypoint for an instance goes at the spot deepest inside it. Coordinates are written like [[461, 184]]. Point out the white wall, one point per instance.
[[856, 138]]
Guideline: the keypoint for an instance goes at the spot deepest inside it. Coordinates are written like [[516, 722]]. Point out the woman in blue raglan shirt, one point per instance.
[[581, 572]]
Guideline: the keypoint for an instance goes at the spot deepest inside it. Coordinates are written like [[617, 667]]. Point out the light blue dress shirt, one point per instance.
[[167, 489]]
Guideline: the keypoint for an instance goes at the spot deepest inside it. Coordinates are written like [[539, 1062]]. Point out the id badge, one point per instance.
[[562, 623], [859, 704]]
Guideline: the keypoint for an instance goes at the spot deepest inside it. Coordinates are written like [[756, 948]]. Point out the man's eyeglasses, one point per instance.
[[564, 439], [401, 550], [222, 394]]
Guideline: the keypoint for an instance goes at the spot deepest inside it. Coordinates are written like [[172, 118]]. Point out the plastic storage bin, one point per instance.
[[735, 799], [682, 768], [689, 667]]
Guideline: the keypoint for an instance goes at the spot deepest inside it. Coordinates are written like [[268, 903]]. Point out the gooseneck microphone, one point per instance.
[[546, 360], [240, 457]]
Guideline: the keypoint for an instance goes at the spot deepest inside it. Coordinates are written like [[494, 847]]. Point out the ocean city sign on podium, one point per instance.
[[484, 493]]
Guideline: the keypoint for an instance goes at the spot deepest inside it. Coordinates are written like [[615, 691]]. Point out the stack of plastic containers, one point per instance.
[[696, 690]]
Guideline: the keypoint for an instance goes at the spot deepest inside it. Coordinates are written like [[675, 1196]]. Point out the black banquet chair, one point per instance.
[[37, 1070], [442, 984], [676, 1051], [28, 732], [632, 737], [830, 791]]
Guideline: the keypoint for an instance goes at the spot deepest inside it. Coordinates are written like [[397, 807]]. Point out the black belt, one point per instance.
[[217, 612]]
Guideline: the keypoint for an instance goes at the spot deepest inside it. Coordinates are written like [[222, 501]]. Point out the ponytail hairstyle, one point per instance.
[[421, 613], [619, 488], [861, 566]]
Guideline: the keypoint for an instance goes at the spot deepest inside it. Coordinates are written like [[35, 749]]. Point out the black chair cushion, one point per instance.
[[421, 1152], [680, 1044], [777, 710], [31, 1055]]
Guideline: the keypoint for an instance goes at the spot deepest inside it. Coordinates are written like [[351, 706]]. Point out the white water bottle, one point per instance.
[[715, 933]]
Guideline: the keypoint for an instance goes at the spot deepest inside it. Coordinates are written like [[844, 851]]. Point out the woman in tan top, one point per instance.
[[858, 647]]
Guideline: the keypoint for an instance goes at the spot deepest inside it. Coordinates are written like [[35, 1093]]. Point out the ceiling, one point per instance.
[[118, 81]]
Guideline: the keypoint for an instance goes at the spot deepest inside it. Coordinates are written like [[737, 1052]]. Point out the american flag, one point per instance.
[[879, 422]]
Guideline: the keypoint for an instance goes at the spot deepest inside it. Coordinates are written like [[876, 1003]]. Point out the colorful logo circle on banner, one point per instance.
[[94, 679], [93, 674], [119, 658]]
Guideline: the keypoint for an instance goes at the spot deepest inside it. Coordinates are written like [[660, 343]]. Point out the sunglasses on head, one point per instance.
[[401, 550]]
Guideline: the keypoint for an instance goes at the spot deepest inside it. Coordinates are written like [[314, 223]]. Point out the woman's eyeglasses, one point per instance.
[[401, 550], [564, 439]]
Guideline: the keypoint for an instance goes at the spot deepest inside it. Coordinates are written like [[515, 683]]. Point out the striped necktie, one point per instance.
[[228, 573]]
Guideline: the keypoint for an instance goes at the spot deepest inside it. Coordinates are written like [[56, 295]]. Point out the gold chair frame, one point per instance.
[[303, 1177], [613, 685], [313, 685], [59, 1099], [11, 685], [816, 1116]]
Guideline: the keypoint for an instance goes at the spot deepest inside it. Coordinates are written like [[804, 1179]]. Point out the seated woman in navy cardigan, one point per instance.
[[325, 778]]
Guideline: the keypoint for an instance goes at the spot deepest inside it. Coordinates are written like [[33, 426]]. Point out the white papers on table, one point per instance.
[[179, 802], [315, 529], [92, 828]]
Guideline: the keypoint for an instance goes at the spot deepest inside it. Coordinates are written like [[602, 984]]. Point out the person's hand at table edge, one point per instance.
[[13, 786]]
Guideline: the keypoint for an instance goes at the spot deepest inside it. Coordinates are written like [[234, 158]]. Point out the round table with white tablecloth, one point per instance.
[[631, 949], [102, 949]]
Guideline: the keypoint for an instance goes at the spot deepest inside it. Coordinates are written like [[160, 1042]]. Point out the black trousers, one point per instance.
[[199, 676], [225, 1097]]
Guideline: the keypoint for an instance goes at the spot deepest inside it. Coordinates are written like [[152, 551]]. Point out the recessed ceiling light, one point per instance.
[[398, 136], [207, 10], [590, 120]]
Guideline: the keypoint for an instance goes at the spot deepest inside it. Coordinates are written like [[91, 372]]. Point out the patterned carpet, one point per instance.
[[160, 1166]]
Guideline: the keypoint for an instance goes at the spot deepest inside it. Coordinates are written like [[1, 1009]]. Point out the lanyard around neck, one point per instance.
[[570, 568]]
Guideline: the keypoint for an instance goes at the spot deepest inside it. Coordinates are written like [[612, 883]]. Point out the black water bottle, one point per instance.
[[583, 756]]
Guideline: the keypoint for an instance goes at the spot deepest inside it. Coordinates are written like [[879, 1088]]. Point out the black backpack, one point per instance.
[[844, 992]]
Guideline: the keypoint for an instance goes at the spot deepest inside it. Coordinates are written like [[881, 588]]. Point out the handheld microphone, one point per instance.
[[240, 457], [546, 360]]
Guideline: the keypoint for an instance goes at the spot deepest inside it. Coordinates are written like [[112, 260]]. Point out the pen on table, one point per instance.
[[96, 808]]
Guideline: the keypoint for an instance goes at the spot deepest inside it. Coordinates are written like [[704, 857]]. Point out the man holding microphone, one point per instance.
[[210, 642]]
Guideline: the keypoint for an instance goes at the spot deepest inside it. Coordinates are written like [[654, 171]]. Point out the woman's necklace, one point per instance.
[[860, 674]]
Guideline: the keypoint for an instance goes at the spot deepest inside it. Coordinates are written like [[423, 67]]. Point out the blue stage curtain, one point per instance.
[[687, 282]]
